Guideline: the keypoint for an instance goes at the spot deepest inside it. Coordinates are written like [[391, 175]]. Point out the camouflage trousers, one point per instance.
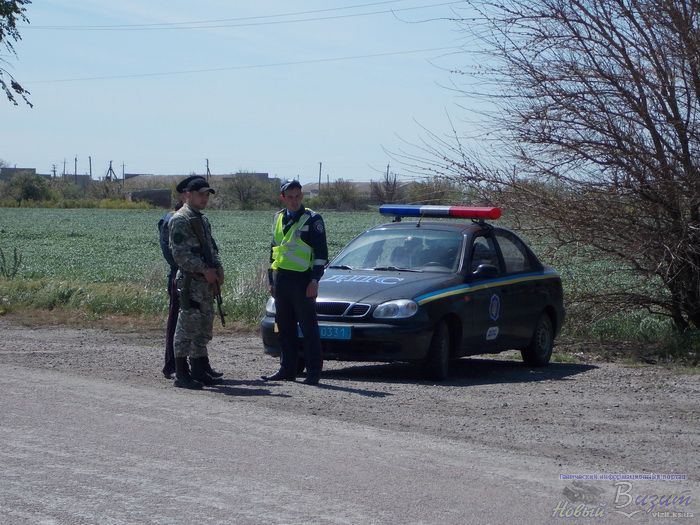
[[195, 321]]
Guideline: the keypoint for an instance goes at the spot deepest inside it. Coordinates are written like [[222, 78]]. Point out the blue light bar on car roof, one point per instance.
[[462, 212]]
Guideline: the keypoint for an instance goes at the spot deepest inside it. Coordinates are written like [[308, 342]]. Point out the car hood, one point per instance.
[[373, 287]]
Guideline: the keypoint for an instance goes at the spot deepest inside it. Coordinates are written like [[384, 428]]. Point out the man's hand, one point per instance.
[[312, 288], [220, 276], [211, 275]]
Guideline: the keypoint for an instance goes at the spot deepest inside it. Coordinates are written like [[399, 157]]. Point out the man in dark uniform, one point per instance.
[[199, 274], [298, 257], [174, 304]]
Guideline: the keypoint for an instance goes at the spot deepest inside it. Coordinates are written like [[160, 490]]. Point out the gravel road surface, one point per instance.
[[92, 433]]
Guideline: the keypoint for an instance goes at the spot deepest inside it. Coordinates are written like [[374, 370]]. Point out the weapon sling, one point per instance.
[[198, 229]]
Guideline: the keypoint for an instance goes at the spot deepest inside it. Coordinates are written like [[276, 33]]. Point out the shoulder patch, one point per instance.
[[178, 237], [319, 226]]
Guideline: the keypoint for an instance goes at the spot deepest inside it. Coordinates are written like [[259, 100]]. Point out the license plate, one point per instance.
[[332, 332]]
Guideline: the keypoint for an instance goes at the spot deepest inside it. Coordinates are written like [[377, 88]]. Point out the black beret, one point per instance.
[[200, 184], [182, 185]]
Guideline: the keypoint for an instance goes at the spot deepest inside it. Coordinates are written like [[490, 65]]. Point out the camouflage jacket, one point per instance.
[[184, 243]]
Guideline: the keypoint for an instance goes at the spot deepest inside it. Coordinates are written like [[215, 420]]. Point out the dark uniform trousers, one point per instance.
[[173, 310], [294, 307]]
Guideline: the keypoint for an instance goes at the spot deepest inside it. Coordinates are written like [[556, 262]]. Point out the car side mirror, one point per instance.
[[485, 271]]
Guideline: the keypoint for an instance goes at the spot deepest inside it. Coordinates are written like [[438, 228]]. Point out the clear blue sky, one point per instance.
[[182, 81]]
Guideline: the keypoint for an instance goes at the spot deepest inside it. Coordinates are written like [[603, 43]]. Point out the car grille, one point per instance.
[[341, 309]]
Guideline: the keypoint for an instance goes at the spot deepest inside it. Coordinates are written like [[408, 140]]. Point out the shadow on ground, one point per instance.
[[463, 372]]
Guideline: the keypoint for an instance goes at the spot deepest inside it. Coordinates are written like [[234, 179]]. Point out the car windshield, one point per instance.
[[393, 249]]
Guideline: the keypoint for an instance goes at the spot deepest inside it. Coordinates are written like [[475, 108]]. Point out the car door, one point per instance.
[[521, 302], [484, 299]]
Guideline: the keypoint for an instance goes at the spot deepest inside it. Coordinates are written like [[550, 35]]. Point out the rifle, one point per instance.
[[220, 303], [198, 228]]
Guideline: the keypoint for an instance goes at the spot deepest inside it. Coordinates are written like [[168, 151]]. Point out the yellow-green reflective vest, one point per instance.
[[289, 252]]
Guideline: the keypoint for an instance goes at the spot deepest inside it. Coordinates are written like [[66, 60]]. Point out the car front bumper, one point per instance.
[[368, 341]]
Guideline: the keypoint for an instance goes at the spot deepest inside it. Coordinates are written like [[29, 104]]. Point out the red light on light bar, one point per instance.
[[462, 212], [475, 213]]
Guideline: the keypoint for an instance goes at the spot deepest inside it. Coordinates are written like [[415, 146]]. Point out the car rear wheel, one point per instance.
[[539, 351], [438, 361]]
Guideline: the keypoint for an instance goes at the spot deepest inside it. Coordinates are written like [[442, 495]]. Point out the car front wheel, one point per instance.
[[437, 364], [539, 351]]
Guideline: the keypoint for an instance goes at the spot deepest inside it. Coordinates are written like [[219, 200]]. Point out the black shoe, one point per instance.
[[183, 379], [187, 382], [199, 373], [209, 370], [311, 380], [280, 375], [167, 373]]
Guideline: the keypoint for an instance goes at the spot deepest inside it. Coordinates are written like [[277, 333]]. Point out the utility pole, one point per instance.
[[90, 161], [75, 170], [110, 173], [53, 170], [208, 172], [64, 169], [320, 166]]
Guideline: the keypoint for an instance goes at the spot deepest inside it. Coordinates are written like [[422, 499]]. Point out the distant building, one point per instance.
[[8, 173], [82, 181], [162, 198]]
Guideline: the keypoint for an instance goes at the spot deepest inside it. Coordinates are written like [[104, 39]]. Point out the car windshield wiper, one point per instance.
[[395, 269], [342, 267]]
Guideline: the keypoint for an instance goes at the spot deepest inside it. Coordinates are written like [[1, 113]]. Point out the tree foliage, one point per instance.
[[342, 195], [435, 190], [26, 186], [11, 12], [599, 133], [387, 190], [248, 192]]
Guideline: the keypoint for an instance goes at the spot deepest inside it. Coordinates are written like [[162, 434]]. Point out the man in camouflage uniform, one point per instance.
[[199, 273]]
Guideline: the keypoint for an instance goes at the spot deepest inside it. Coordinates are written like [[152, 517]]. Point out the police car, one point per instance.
[[432, 291]]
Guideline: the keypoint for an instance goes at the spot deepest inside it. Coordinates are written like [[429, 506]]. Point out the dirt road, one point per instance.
[[373, 444]]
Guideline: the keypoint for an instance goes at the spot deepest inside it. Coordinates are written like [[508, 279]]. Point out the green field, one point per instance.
[[93, 245], [110, 260]]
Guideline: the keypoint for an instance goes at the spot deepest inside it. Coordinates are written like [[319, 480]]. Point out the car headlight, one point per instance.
[[399, 309], [270, 308]]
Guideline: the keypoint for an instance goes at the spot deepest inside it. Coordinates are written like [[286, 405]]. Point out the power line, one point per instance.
[[219, 20], [232, 68], [159, 27]]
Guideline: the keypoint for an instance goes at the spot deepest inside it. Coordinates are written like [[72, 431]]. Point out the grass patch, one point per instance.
[[566, 358]]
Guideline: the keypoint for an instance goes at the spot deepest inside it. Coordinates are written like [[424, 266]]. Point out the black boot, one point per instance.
[[183, 379], [209, 370], [199, 372]]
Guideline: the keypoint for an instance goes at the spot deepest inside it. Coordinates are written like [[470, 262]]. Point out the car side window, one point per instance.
[[514, 254], [483, 252]]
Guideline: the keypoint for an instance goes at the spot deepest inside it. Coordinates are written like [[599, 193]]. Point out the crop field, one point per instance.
[[93, 245], [108, 261]]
